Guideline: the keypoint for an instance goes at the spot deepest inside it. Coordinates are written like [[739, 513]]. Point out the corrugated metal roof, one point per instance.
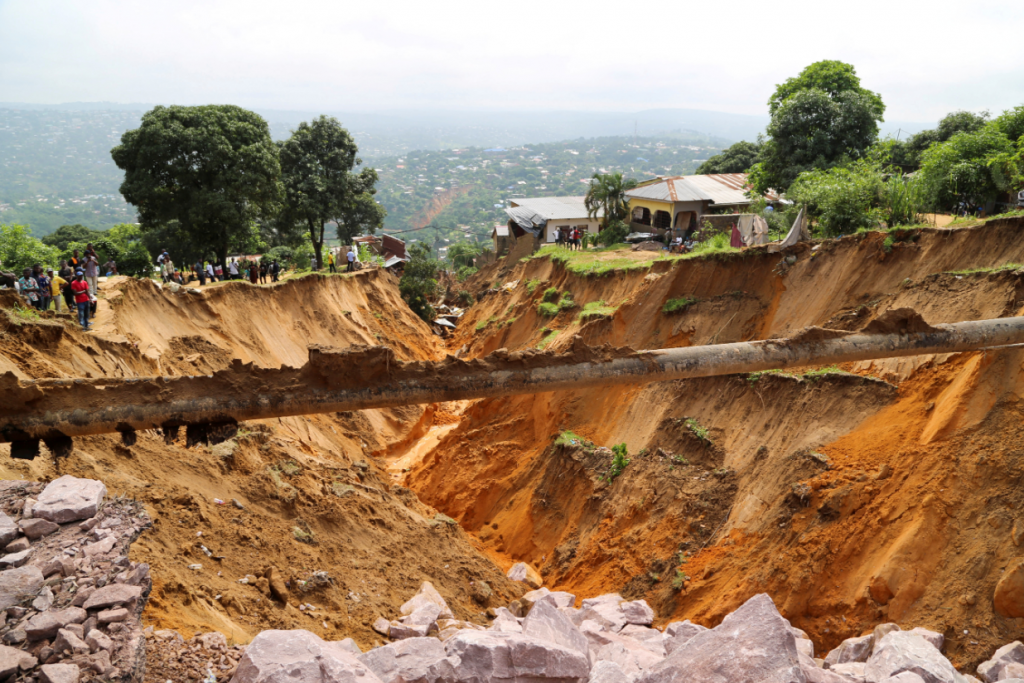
[[552, 208], [723, 188], [500, 231]]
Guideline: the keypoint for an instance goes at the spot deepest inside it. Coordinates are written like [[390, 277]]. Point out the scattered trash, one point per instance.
[[199, 534], [195, 567], [244, 580], [234, 501], [206, 550], [218, 501]]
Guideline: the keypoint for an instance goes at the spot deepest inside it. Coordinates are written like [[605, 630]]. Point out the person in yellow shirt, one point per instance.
[[56, 285], [330, 261]]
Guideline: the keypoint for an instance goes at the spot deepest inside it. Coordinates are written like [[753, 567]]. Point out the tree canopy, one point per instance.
[[66, 234], [736, 159], [832, 78], [959, 170], [20, 250], [419, 280], [607, 193], [214, 169], [317, 164]]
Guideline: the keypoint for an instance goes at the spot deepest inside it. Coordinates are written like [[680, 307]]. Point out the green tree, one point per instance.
[[736, 159], [66, 234], [462, 254], [614, 233], [961, 169], [20, 250], [419, 281], [317, 164], [820, 119], [214, 169], [1010, 123], [607, 194], [951, 124]]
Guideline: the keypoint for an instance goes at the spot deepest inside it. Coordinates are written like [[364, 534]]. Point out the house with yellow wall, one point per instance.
[[680, 201]]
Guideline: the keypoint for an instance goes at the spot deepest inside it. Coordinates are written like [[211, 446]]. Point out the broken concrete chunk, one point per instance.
[[427, 594], [114, 595], [58, 673], [901, 651], [524, 573], [288, 656], [415, 660], [710, 655], [1010, 653], [37, 528], [69, 499]]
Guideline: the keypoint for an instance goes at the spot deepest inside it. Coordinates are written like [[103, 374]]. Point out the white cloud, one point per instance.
[[925, 58]]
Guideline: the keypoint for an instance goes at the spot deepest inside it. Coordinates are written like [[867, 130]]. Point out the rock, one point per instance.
[[12, 660], [678, 633], [83, 594], [815, 674], [506, 622], [755, 629], [114, 595], [275, 583], [400, 631], [630, 654], [15, 636], [291, 656], [44, 600], [850, 669], [881, 631], [1011, 653], [1012, 671], [604, 609], [526, 574], [901, 651], [652, 639], [607, 671], [545, 622], [58, 673], [416, 660], [905, 677], [517, 609], [425, 615], [851, 650], [46, 624], [54, 566], [485, 656], [531, 597], [382, 626], [110, 616], [37, 528], [15, 559], [8, 529], [18, 545], [805, 647], [481, 592], [350, 645], [427, 594], [26, 509], [936, 639], [100, 547], [637, 612], [98, 640], [69, 642], [69, 499], [1009, 596], [98, 662]]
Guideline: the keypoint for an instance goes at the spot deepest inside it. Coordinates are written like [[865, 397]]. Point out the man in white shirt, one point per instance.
[[233, 270], [351, 267], [210, 273]]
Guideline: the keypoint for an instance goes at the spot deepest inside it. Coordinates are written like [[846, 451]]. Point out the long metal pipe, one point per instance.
[[295, 396]]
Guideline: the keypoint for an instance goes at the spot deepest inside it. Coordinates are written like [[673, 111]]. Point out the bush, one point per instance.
[[465, 298], [283, 255], [679, 305], [959, 170], [566, 303], [614, 233], [840, 199], [619, 461], [465, 272], [419, 281], [550, 295], [19, 250], [547, 310]]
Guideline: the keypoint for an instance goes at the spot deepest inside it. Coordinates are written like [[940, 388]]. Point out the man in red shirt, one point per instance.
[[81, 290]]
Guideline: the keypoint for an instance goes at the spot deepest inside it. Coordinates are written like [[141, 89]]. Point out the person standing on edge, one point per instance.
[[75, 262], [254, 273], [351, 267], [200, 273], [233, 270], [330, 261], [92, 271], [263, 271], [29, 288], [44, 290], [57, 284], [274, 270], [81, 291]]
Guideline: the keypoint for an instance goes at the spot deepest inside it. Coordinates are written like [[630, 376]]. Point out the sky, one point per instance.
[[925, 58]]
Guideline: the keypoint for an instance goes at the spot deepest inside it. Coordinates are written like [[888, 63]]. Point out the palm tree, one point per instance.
[[608, 193]]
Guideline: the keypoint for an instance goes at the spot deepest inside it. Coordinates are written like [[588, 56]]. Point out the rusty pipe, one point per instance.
[[302, 398]]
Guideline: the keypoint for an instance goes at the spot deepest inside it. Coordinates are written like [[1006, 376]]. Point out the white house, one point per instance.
[[543, 216]]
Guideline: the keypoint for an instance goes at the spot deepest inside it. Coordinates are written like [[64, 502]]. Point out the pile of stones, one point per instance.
[[70, 599], [544, 637]]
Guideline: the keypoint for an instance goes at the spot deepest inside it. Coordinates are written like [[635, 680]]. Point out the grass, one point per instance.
[[22, 313], [531, 285], [984, 271], [303, 535], [547, 310], [550, 295], [810, 375], [595, 310], [549, 336], [699, 431], [484, 323], [679, 305], [566, 303], [590, 262], [567, 438]]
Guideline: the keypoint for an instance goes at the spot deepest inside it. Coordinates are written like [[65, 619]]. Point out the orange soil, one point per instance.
[[791, 497]]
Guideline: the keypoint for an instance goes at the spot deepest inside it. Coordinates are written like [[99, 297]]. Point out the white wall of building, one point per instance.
[[551, 231]]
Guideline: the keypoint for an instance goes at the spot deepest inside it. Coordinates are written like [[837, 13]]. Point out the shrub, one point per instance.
[[548, 310], [566, 302], [550, 295], [595, 310], [699, 431], [614, 233], [679, 305], [465, 298], [619, 461], [465, 272], [20, 250], [531, 285], [419, 281]]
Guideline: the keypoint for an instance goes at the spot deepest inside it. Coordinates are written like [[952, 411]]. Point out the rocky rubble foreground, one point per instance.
[[70, 599], [544, 637]]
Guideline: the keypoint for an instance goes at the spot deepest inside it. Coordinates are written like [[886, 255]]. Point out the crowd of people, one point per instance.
[[72, 285], [254, 269], [570, 238]]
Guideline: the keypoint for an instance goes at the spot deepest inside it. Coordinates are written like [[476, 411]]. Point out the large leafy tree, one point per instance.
[[736, 159], [214, 169], [820, 119], [419, 281], [607, 194], [909, 153], [20, 250], [961, 170], [66, 234], [321, 185]]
